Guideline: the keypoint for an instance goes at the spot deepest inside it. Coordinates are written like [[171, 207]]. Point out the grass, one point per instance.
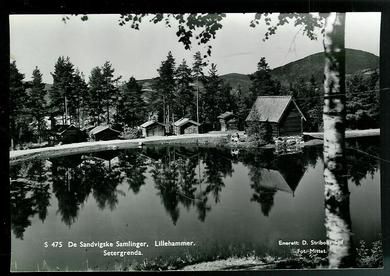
[[233, 258]]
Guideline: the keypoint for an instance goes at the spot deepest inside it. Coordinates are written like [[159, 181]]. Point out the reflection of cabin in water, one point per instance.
[[283, 114], [228, 121], [185, 126], [68, 162], [274, 180], [152, 128], [292, 167], [104, 133], [109, 157], [284, 174], [270, 181]]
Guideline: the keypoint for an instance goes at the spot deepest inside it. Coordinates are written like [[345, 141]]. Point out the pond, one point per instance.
[[220, 202]]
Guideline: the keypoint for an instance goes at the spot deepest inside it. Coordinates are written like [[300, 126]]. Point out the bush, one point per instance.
[[259, 133], [130, 133], [370, 257]]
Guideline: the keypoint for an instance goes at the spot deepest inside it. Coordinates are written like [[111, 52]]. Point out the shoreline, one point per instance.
[[96, 146], [208, 139]]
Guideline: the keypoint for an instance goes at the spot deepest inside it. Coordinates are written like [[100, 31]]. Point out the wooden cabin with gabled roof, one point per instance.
[[228, 121], [104, 133], [185, 126], [68, 134], [281, 112], [152, 128]]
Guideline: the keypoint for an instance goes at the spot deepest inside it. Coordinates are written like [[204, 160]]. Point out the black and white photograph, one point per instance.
[[194, 141]]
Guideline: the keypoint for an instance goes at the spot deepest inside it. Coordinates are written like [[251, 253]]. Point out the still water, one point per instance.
[[218, 199]]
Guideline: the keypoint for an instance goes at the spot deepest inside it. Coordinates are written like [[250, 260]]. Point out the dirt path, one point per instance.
[[215, 139], [348, 133], [248, 263], [77, 148]]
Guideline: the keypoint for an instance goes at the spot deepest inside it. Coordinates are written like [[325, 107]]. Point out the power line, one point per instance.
[[338, 94], [368, 154], [346, 94]]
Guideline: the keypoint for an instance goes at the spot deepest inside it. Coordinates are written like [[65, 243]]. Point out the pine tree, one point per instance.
[[17, 100], [110, 90], [78, 101], [62, 89], [95, 95], [362, 101], [262, 82], [165, 86], [215, 97], [36, 102], [198, 75], [185, 103], [242, 105], [131, 106]]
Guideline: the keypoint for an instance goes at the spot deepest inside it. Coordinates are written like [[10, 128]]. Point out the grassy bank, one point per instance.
[[366, 256]]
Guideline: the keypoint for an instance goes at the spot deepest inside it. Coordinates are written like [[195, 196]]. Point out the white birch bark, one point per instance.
[[337, 215]]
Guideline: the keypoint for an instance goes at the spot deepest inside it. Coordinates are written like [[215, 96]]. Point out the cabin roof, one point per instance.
[[149, 123], [225, 115], [271, 108], [64, 128], [101, 128], [184, 121], [60, 128]]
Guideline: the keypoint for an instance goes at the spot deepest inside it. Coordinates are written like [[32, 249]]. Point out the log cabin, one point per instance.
[[283, 114], [152, 128], [228, 121], [68, 134], [185, 126], [104, 133]]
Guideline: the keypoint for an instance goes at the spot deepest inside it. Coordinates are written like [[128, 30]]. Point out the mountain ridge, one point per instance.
[[356, 61]]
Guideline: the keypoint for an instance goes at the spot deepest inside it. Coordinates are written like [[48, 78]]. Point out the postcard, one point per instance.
[[195, 142]]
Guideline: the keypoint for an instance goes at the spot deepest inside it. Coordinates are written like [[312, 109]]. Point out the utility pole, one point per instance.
[[197, 99]]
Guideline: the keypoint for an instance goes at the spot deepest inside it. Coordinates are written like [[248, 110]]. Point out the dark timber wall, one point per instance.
[[155, 130], [290, 124]]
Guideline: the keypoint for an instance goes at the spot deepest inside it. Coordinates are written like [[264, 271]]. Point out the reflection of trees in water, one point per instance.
[[74, 179], [133, 164], [165, 175], [29, 194], [182, 175], [218, 165], [360, 165], [202, 206], [282, 172], [69, 186], [188, 176], [187, 180], [265, 197], [22, 208], [105, 182], [257, 161], [339, 165], [311, 155]]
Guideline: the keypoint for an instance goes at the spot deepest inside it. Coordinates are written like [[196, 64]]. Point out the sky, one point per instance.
[[38, 40]]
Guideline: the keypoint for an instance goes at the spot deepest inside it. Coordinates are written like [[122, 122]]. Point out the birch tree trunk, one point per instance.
[[337, 215]]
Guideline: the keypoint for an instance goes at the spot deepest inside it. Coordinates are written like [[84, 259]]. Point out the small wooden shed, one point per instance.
[[185, 126], [283, 114], [152, 128], [67, 134], [228, 121], [103, 133]]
